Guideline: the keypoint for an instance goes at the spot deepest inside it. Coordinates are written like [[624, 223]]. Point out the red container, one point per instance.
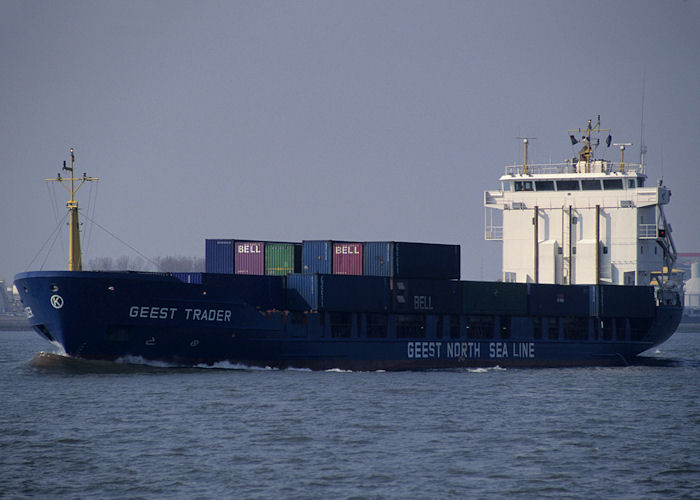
[[347, 258], [250, 257]]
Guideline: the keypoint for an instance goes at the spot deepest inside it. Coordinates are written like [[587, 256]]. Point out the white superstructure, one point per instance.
[[586, 221]]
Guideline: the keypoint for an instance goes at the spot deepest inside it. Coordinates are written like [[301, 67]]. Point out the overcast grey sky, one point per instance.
[[355, 120]]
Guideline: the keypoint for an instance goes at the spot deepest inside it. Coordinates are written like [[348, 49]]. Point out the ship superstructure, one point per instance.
[[585, 221]]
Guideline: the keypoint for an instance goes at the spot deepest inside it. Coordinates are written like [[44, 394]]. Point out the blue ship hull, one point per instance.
[[157, 317]]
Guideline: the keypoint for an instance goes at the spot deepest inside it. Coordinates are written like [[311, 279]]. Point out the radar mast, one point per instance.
[[74, 252]]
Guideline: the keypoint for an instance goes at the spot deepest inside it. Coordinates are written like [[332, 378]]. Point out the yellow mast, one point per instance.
[[622, 153], [526, 141], [74, 253]]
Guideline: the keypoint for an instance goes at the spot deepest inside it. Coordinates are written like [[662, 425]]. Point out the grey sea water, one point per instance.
[[77, 429]]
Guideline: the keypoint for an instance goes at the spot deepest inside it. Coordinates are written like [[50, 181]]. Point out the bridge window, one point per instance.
[[568, 185], [523, 186], [612, 183], [630, 183], [544, 185], [590, 185]]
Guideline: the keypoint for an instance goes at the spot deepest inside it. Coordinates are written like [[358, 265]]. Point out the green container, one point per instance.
[[494, 297], [282, 259]]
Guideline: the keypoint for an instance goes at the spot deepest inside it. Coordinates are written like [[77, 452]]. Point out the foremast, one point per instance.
[[74, 251]]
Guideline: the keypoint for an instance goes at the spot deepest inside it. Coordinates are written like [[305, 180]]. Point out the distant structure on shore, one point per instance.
[[689, 263]]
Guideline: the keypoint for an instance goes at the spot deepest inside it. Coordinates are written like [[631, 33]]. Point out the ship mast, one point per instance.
[[586, 153], [74, 253]]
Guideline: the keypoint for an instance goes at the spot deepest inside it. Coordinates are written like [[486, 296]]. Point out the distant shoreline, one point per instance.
[[14, 323]]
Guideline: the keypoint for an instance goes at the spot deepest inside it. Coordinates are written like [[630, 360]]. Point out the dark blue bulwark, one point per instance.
[[412, 260], [425, 296], [627, 301], [263, 292], [561, 300], [317, 256], [219, 256], [334, 292]]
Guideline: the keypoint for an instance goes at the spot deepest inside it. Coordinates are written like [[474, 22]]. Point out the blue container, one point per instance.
[[560, 300], [317, 257], [219, 256], [412, 260], [263, 292], [195, 278], [379, 258], [494, 297], [344, 293], [426, 296]]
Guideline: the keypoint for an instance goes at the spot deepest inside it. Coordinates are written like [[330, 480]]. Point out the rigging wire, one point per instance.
[[55, 204], [92, 203], [122, 241], [48, 252], [54, 201], [54, 234]]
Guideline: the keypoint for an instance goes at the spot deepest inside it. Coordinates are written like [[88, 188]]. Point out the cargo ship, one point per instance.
[[580, 241]]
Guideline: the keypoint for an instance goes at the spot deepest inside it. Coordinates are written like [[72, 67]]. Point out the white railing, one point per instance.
[[647, 231], [572, 168], [493, 233]]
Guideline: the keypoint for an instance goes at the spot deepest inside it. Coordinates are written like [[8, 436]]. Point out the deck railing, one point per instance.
[[572, 168]]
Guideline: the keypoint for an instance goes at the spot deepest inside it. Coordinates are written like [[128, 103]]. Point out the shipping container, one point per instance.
[[249, 257], [561, 300], [317, 257], [332, 292], [625, 301], [426, 296], [347, 258], [494, 297], [264, 292], [219, 256], [412, 260], [195, 278], [282, 259]]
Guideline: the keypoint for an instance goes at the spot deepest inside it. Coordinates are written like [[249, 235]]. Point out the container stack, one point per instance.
[[255, 258], [378, 276], [393, 277], [392, 259]]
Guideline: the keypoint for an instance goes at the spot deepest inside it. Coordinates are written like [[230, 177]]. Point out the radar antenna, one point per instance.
[[585, 155]]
